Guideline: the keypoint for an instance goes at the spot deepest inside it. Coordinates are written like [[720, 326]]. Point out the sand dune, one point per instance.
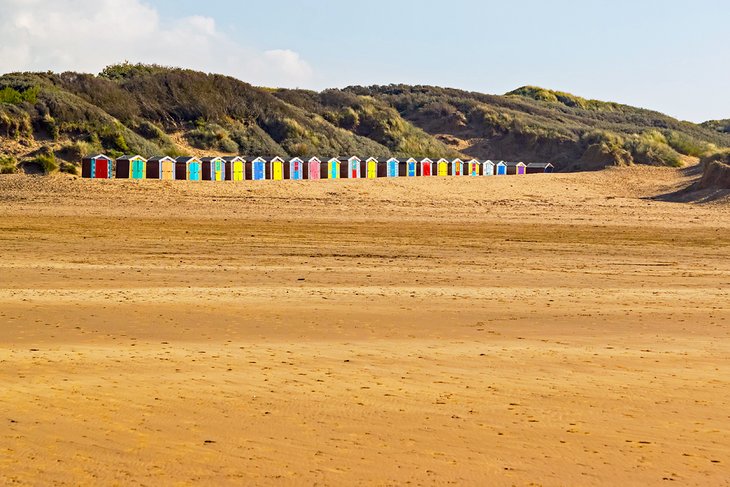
[[562, 329]]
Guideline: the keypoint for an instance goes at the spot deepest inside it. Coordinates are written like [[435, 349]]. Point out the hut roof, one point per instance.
[[186, 159], [160, 158], [234, 159], [541, 165], [426, 159], [513, 164], [295, 159], [98, 156], [211, 159], [314, 159], [487, 162], [130, 157]]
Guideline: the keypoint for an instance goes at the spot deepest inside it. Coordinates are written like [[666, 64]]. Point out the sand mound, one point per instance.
[[716, 174]]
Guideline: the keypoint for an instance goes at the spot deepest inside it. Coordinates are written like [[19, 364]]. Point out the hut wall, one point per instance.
[[122, 170], [181, 171]]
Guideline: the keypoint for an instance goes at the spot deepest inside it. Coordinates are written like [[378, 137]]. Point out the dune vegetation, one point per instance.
[[48, 121]]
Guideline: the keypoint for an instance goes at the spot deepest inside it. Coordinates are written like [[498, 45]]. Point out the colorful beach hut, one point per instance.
[[457, 167], [275, 169], [410, 167], [212, 168], [472, 168], [371, 168], [333, 168], [516, 167], [235, 168], [353, 167], [313, 168], [130, 167], [96, 167], [392, 167], [442, 167], [187, 168], [255, 169], [425, 167], [500, 168], [160, 167], [487, 168], [539, 167], [294, 169]]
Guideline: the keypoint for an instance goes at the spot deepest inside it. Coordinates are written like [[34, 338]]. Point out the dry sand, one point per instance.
[[548, 329]]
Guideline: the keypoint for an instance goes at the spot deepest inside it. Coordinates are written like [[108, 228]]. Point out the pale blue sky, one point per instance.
[[672, 56]]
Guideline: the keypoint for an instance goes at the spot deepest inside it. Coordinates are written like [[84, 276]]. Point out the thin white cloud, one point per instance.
[[86, 35]]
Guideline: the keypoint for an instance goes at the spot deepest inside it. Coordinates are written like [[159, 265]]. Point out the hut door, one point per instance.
[[372, 170], [353, 170], [238, 171], [277, 171], [314, 170], [296, 170], [392, 169], [411, 169], [194, 171], [166, 170], [258, 170], [425, 169], [102, 169], [218, 171], [137, 169], [333, 170]]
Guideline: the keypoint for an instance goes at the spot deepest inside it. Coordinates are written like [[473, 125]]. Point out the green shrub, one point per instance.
[[651, 148], [687, 145], [8, 164], [47, 161], [211, 136], [68, 168], [14, 97]]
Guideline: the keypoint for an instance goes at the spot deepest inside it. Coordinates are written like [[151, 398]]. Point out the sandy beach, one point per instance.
[[565, 329]]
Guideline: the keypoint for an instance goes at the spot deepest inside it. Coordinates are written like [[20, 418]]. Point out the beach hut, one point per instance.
[[411, 167], [160, 167], [96, 167], [235, 168], [371, 168], [212, 168], [275, 169], [313, 169], [539, 167], [457, 167], [515, 167], [500, 168], [353, 167], [255, 169], [294, 169], [472, 168], [442, 167], [130, 167], [425, 167], [187, 168], [392, 167], [487, 168], [333, 168]]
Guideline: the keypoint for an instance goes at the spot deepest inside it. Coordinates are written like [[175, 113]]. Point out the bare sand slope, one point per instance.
[[555, 330]]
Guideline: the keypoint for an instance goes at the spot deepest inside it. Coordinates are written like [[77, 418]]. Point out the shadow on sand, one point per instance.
[[693, 193]]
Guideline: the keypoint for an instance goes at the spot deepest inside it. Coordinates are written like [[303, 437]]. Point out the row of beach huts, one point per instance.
[[276, 168]]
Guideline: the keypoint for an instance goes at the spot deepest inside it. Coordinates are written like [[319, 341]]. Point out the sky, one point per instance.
[[672, 56]]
